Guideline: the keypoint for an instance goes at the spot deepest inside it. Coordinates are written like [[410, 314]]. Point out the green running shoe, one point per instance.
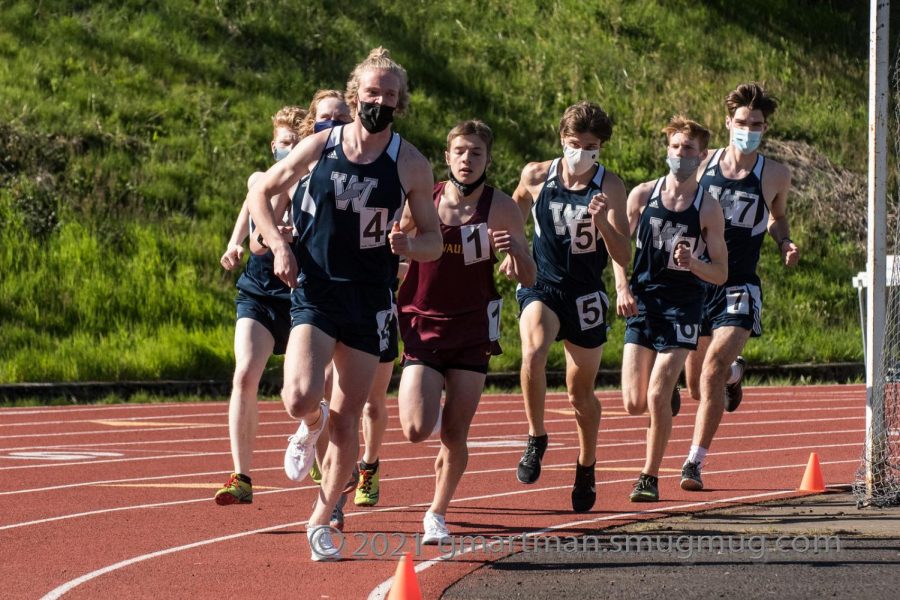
[[367, 491], [646, 489], [235, 491], [315, 474]]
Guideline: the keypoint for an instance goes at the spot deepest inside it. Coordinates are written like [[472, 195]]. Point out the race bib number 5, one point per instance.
[[591, 310], [583, 236]]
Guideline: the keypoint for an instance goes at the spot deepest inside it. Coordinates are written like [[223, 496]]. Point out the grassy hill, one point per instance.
[[127, 134]]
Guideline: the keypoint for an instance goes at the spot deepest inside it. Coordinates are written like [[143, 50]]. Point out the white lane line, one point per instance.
[[405, 443], [428, 444], [605, 419], [728, 423], [61, 590], [222, 413], [600, 463], [52, 410], [784, 398], [121, 443]]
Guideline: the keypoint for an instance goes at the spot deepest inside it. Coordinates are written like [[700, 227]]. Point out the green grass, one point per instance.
[[129, 131]]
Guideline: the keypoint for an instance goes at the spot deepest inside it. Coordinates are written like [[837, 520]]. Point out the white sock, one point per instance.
[[736, 372], [697, 454]]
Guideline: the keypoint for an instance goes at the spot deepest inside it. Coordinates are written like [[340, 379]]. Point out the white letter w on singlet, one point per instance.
[[664, 232], [356, 191]]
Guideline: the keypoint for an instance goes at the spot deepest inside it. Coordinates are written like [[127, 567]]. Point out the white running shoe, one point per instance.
[[301, 451], [435, 529], [322, 544]]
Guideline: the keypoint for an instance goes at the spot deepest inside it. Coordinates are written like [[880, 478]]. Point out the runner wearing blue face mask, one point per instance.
[[326, 110], [263, 316], [752, 191]]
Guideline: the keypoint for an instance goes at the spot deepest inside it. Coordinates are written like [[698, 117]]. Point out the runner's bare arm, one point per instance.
[[418, 181], [278, 180], [779, 227], [508, 235], [712, 224], [608, 211], [626, 306], [533, 176]]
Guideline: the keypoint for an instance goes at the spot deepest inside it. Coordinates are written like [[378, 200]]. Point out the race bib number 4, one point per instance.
[[373, 229]]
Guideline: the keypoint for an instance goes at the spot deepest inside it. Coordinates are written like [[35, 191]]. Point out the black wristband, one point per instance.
[[261, 241]]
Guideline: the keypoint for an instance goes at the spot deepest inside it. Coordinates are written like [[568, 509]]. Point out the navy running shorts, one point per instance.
[[271, 312], [356, 315], [582, 317], [660, 333], [738, 305]]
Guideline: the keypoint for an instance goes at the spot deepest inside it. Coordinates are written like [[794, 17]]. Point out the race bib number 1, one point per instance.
[[475, 243], [493, 312]]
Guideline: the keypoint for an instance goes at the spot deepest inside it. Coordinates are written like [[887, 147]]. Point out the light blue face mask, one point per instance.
[[744, 140], [280, 153]]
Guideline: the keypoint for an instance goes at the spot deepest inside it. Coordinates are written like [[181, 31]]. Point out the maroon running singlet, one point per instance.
[[449, 308]]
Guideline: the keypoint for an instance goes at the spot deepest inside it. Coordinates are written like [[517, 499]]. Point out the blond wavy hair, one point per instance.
[[289, 117], [309, 122], [691, 129], [379, 59]]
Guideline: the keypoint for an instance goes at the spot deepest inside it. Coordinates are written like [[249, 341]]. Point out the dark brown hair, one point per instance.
[[586, 117], [752, 95]]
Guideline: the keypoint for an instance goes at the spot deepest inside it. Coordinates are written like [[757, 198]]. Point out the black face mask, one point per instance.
[[375, 117], [466, 188]]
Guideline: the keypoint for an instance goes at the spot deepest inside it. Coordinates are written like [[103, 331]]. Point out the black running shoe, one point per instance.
[[676, 401], [646, 489], [584, 492], [530, 466], [690, 477], [733, 391]]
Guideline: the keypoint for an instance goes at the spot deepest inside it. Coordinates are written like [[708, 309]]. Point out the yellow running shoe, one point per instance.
[[236, 491], [367, 490], [315, 474]]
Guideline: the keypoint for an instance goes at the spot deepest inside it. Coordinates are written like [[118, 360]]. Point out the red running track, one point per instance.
[[116, 501]]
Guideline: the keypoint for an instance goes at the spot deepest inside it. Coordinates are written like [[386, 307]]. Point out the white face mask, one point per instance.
[[579, 160]]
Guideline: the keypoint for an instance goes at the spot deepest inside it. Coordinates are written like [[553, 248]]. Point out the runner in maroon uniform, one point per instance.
[[450, 310]]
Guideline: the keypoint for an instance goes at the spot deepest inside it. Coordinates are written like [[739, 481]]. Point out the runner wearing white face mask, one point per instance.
[[752, 192], [579, 222]]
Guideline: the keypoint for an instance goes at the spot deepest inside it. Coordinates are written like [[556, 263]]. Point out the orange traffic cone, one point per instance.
[[812, 478], [406, 586]]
